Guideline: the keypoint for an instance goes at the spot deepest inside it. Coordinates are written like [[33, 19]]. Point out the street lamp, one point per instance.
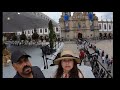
[[8, 18]]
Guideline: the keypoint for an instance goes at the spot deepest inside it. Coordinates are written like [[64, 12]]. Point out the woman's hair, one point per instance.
[[73, 73]]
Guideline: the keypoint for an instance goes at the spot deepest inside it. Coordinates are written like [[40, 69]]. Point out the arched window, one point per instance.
[[104, 26], [28, 32], [109, 26], [40, 30], [45, 30], [99, 26], [74, 25], [84, 25], [56, 29]]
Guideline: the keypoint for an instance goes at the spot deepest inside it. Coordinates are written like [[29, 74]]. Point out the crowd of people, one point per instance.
[[84, 47]]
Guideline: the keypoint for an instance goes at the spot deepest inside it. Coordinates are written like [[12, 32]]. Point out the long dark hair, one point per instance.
[[73, 73]]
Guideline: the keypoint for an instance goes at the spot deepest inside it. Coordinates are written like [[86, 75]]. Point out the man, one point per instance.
[[22, 65]]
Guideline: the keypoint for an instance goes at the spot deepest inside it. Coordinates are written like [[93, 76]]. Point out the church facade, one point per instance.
[[79, 26]]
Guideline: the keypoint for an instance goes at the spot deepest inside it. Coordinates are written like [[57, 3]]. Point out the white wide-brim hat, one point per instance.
[[67, 54]]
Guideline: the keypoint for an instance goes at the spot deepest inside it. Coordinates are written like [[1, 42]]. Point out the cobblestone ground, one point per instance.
[[71, 45], [106, 45]]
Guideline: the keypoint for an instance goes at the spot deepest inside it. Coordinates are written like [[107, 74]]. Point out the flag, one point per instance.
[[90, 16], [66, 17]]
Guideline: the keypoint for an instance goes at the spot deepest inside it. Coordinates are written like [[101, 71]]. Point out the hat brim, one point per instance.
[[56, 61]]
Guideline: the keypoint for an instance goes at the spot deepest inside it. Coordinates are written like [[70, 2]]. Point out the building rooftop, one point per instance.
[[17, 21]]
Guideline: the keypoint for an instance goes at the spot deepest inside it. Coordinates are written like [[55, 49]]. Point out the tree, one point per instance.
[[23, 36], [35, 36], [41, 38], [52, 35], [14, 38]]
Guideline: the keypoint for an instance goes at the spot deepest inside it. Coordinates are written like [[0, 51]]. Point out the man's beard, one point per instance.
[[27, 70]]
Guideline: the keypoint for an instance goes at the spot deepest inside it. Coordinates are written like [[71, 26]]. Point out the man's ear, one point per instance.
[[14, 65]]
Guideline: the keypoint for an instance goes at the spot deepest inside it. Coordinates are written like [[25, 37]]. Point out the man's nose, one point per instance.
[[24, 64]]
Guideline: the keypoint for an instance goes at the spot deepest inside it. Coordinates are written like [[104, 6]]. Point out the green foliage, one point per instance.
[[14, 38], [52, 35], [35, 36], [23, 36]]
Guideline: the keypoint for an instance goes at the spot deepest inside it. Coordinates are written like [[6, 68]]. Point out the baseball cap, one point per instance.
[[16, 55]]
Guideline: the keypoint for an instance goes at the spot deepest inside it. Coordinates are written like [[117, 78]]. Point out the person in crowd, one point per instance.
[[106, 59], [23, 67], [81, 55], [102, 53]]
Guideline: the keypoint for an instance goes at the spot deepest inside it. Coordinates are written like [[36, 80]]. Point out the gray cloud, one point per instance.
[[105, 15]]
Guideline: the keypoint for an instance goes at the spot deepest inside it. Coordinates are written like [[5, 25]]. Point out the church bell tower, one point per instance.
[[66, 13]]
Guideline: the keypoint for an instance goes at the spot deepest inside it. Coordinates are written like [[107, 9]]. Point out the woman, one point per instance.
[[67, 66]]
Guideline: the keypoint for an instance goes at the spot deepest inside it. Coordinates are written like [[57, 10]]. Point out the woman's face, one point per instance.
[[67, 64]]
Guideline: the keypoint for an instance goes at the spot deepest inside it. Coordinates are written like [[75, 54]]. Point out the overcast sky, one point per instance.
[[56, 15]]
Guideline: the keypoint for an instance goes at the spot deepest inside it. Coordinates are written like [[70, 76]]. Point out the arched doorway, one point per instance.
[[41, 38], [46, 38], [105, 35], [79, 35], [109, 35], [100, 35]]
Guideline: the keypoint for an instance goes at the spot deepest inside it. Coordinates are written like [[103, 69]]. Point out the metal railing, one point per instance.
[[99, 70]]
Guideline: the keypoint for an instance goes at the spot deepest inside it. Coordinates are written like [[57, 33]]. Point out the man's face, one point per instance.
[[23, 66]]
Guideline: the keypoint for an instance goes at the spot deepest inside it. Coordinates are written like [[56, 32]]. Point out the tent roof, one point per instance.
[[18, 21]]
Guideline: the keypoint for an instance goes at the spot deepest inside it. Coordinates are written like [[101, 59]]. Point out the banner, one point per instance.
[[66, 26], [66, 17], [90, 16]]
